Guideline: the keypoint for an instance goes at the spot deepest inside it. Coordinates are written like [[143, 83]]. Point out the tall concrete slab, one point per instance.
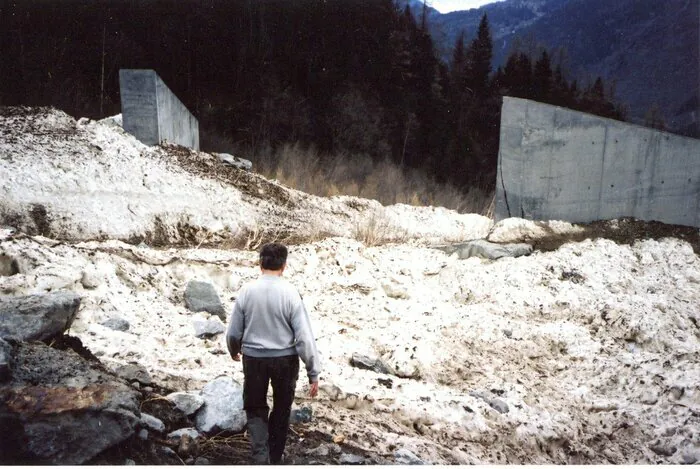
[[152, 113], [558, 164]]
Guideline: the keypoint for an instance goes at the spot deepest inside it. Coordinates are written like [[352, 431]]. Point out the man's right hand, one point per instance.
[[237, 357], [314, 389]]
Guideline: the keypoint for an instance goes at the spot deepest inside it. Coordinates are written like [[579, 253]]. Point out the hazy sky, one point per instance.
[[444, 6]]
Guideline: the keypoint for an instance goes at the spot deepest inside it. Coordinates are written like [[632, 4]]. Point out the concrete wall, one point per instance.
[[152, 113], [558, 164]]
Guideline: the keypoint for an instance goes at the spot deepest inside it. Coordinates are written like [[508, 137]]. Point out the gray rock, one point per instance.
[[404, 456], [691, 456], [117, 324], [89, 279], [129, 462], [201, 296], [499, 405], [149, 421], [321, 452], [374, 364], [37, 317], [177, 434], [61, 424], [663, 449], [223, 407], [186, 402], [201, 462], [230, 160], [484, 249], [5, 361], [134, 372], [301, 415], [204, 328], [143, 434], [354, 459]]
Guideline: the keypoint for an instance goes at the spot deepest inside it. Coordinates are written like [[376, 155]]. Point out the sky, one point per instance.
[[445, 6]]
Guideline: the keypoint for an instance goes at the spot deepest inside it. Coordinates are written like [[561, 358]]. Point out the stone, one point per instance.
[[5, 361], [143, 434], [134, 372], [60, 423], [663, 449], [395, 291], [223, 407], [499, 405], [230, 160], [486, 250], [201, 462], [373, 364], [404, 456], [188, 403], [351, 459], [89, 279], [321, 451], [650, 398], [201, 296], [129, 462], [37, 317], [149, 421], [177, 434], [676, 392], [117, 324], [301, 415], [691, 455], [205, 328]]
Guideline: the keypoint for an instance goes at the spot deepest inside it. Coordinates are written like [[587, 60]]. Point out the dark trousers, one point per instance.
[[268, 430]]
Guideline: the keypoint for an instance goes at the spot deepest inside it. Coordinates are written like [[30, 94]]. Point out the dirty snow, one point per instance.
[[593, 347]]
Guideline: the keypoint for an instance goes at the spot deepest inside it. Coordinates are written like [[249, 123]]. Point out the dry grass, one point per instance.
[[359, 175], [377, 230]]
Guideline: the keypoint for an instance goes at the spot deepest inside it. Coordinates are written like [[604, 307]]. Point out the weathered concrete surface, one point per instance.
[[152, 113], [558, 164]]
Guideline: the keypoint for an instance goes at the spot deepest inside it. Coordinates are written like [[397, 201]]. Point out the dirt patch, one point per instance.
[[622, 231], [207, 166]]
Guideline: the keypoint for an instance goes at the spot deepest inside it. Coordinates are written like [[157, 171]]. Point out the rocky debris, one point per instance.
[[351, 459], [62, 408], [187, 402], [373, 364], [486, 250], [223, 407], [499, 405], [117, 324], [230, 160], [151, 422], [134, 372], [324, 450], [301, 415], [201, 296], [406, 457], [650, 398], [691, 455], [177, 434], [206, 328], [5, 361], [37, 317], [676, 392]]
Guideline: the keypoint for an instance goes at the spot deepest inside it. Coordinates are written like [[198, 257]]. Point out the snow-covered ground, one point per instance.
[[593, 348]]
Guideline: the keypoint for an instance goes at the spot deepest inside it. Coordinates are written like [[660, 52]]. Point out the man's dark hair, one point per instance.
[[273, 256]]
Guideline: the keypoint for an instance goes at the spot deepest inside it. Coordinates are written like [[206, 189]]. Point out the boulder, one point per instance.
[[373, 364], [117, 324], [153, 423], [223, 407], [201, 296], [187, 403], [499, 406], [177, 434], [50, 420], [351, 459], [134, 372], [404, 456], [486, 250], [37, 317], [230, 160], [204, 328]]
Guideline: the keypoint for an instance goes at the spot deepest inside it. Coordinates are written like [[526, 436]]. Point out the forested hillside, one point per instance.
[[346, 77]]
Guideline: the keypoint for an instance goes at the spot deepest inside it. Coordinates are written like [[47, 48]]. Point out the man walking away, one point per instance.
[[271, 328]]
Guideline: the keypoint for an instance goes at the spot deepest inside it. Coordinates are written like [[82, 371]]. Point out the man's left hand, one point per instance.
[[237, 357]]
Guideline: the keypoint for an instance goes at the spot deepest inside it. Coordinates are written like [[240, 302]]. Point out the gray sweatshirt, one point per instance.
[[269, 320]]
